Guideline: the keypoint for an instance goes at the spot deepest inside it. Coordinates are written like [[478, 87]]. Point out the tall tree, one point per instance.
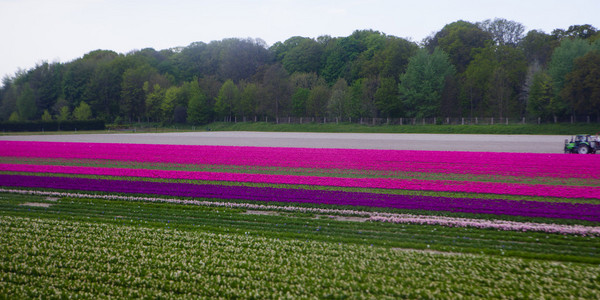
[[493, 82], [316, 104], [198, 111], [249, 99], [45, 80], [386, 98], [299, 100], [105, 85], [339, 100], [422, 85], [563, 59], [240, 58], [228, 100], [355, 106], [585, 31], [9, 98], [75, 82], [154, 98], [561, 64], [539, 103], [459, 39], [304, 57], [504, 32], [278, 91], [26, 103], [168, 104], [133, 97], [582, 86], [538, 47]]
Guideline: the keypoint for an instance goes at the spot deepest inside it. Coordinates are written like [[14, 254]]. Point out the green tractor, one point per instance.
[[582, 144]]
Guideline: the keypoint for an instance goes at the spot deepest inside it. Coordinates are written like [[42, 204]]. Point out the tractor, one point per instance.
[[582, 144]]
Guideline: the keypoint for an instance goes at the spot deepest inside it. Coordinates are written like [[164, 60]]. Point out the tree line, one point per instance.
[[484, 69]]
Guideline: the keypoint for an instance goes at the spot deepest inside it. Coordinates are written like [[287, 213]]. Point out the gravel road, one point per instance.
[[442, 142]]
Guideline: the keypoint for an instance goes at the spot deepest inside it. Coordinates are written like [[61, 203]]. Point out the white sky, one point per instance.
[[62, 30]]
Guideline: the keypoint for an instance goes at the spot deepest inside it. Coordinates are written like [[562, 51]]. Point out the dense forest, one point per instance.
[[485, 69]]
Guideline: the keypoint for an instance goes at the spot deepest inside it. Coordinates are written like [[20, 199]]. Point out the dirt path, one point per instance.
[[442, 142]]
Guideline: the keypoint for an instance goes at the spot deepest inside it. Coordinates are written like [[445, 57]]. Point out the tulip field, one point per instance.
[[104, 220]]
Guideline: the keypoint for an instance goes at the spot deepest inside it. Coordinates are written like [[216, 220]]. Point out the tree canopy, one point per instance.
[[491, 68]]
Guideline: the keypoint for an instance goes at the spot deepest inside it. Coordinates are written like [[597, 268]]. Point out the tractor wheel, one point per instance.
[[583, 149]]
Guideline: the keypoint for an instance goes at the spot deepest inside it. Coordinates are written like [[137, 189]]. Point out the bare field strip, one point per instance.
[[432, 142]]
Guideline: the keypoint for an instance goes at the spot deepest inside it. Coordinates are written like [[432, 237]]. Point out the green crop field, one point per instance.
[[116, 220], [60, 246]]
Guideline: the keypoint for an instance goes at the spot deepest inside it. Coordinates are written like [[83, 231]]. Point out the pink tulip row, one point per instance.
[[501, 164], [371, 216], [384, 183]]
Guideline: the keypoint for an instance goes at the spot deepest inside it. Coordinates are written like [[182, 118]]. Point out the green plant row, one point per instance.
[[46, 258], [302, 226]]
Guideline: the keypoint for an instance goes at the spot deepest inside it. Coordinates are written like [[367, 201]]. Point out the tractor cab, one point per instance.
[[582, 144]]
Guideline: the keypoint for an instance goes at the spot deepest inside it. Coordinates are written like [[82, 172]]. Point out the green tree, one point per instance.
[[539, 103], [459, 39], [14, 117], [46, 116], [339, 100], [355, 107], [82, 112], [64, 113], [228, 99], [503, 32], [167, 107], [76, 81], [26, 103], [105, 85], [422, 85], [45, 80], [303, 55], [133, 97], [238, 59], [299, 99], [155, 96], [340, 54], [386, 98], [316, 104], [277, 91], [582, 86], [493, 81], [585, 31], [9, 93], [249, 100], [306, 80], [563, 60], [561, 64], [198, 111], [538, 47]]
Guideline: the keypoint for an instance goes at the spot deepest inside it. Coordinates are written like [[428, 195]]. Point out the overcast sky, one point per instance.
[[63, 30]]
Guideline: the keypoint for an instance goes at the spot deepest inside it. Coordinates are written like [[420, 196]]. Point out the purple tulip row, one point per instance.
[[580, 211], [370, 216], [500, 188]]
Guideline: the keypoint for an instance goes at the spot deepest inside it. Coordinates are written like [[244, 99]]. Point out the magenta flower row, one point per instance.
[[477, 163], [384, 183]]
